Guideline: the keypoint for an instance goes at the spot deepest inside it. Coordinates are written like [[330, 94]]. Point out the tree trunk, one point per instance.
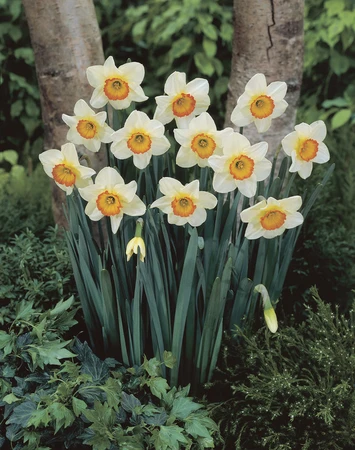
[[66, 40], [268, 39]]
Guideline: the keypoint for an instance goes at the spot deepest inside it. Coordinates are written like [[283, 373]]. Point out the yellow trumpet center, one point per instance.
[[116, 89], [87, 128], [241, 167], [272, 219], [203, 145], [139, 142], [183, 105], [183, 206], [307, 149], [109, 203], [64, 174], [262, 107]]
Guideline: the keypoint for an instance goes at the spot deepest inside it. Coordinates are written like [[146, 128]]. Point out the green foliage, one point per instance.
[[327, 241], [87, 401], [191, 36], [34, 268], [329, 49], [294, 389], [18, 85], [25, 198]]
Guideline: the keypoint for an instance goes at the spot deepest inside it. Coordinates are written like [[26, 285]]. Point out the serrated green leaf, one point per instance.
[[158, 386], [194, 427], [169, 437], [152, 366], [62, 306], [10, 398], [62, 416], [78, 406], [129, 402], [169, 359], [22, 413], [183, 407], [39, 417]]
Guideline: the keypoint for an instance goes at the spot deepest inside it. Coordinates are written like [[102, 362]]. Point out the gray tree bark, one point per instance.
[[268, 39], [66, 40]]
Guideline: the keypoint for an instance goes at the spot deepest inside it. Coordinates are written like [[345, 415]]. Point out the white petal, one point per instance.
[[135, 208], [177, 220], [86, 172], [110, 66], [115, 222], [279, 109], [156, 128], [93, 144], [318, 130], [192, 188], [90, 193], [83, 182], [290, 142], [303, 129], [203, 123], [186, 158], [254, 231], [223, 183], [305, 169], [141, 161], [290, 204], [93, 212], [126, 191], [137, 119], [207, 200], [98, 98], [74, 136], [137, 94], [100, 118], [81, 108], [256, 85], [322, 155], [51, 157], [183, 122], [218, 163], [106, 134], [133, 71], [270, 234], [293, 220], [120, 150], [247, 215], [183, 137], [277, 90], [160, 145], [296, 163], [258, 151], [170, 186], [164, 204], [241, 116], [95, 76], [263, 125], [202, 104], [108, 176], [262, 169], [244, 100], [69, 120], [197, 87], [235, 143], [175, 83], [197, 218], [163, 113], [70, 153], [120, 104], [248, 186]]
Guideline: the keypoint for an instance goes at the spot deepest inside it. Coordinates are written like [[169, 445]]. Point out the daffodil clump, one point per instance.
[[219, 224]]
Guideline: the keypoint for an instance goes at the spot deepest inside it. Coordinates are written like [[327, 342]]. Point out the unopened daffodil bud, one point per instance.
[[136, 243], [269, 312]]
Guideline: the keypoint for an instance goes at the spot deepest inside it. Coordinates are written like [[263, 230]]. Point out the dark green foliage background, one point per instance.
[[293, 390]]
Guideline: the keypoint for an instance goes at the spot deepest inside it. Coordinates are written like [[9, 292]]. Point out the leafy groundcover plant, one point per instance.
[[199, 260], [293, 389], [58, 395]]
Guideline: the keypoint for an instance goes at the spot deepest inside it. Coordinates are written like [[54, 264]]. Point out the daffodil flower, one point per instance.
[[136, 244], [118, 86], [241, 165], [141, 138], [260, 103], [87, 128], [270, 218], [182, 101], [305, 146], [184, 204], [64, 167], [269, 312], [199, 141], [111, 197]]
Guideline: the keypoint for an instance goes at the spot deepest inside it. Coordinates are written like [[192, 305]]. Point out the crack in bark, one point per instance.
[[268, 29]]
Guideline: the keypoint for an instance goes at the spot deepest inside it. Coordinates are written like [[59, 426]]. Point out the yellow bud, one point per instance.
[[133, 246], [271, 319]]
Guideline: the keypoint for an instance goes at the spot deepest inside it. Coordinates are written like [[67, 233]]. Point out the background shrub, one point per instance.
[[292, 390]]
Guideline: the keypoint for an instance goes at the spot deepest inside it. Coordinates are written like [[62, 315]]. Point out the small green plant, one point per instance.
[[54, 395], [294, 389], [34, 268]]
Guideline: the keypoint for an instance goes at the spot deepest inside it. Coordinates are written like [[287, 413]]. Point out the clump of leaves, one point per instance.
[[87, 402], [293, 389], [34, 268]]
